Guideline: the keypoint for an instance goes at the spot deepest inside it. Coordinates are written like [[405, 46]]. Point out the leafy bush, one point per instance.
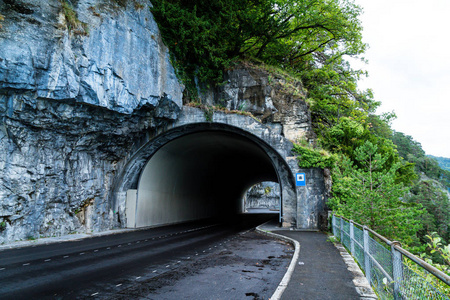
[[311, 158]]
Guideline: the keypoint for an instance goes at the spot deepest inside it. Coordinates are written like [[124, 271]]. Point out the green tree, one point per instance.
[[206, 36], [369, 194], [437, 206], [412, 151]]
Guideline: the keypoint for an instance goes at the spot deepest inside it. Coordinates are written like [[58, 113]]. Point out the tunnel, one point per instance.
[[196, 176]]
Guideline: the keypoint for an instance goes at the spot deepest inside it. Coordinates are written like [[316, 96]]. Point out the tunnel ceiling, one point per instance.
[[200, 174]]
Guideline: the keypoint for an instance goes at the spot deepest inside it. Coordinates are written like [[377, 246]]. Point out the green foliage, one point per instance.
[[312, 158], [437, 208], [283, 32], [201, 36], [206, 37], [2, 18], [344, 136], [439, 258], [368, 194], [73, 23], [443, 162], [412, 152], [2, 226], [436, 246]]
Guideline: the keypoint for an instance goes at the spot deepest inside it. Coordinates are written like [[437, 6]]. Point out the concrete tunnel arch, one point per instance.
[[197, 171]]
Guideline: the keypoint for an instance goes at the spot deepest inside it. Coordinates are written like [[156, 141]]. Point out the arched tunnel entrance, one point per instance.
[[200, 175], [199, 170]]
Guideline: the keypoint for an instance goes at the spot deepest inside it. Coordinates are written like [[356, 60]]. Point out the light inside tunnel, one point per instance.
[[263, 197], [199, 175]]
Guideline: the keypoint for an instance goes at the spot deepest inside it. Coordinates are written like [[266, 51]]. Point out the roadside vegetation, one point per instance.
[[381, 178]]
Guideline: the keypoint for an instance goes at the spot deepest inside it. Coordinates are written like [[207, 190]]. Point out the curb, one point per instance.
[[362, 286], [287, 277]]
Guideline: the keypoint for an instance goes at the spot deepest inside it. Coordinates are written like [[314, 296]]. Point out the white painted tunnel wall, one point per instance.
[[160, 197], [131, 208]]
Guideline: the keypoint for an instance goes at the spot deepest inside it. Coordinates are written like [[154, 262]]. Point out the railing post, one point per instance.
[[367, 255], [342, 231], [352, 238], [333, 224], [397, 270]]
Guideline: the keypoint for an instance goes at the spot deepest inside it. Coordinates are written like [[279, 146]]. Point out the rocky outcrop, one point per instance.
[[71, 107], [277, 100], [79, 97], [121, 64]]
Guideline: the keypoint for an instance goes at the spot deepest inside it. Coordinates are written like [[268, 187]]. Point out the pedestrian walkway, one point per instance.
[[321, 271]]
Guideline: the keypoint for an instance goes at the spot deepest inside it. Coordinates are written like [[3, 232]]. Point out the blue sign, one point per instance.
[[300, 179]]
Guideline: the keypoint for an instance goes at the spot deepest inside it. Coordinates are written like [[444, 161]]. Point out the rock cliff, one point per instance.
[[71, 106], [77, 94]]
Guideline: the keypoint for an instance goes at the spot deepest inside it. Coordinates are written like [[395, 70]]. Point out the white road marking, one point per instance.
[[95, 250], [27, 264], [167, 266], [47, 260], [94, 294], [138, 277], [1, 269], [154, 271], [66, 256], [109, 248], [118, 284], [82, 253]]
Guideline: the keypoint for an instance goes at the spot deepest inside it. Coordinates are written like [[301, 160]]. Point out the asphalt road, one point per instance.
[[93, 266]]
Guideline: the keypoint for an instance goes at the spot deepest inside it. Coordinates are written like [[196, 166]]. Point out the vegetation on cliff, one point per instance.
[[377, 173]]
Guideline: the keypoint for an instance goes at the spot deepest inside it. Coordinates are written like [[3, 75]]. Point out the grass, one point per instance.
[[73, 23]]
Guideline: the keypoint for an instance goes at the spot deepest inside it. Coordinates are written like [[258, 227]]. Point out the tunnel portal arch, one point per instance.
[[184, 150]]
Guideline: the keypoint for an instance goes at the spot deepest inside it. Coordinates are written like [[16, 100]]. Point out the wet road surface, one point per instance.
[[122, 265]]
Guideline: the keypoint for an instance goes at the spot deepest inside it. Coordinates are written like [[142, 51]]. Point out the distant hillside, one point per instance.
[[444, 162]]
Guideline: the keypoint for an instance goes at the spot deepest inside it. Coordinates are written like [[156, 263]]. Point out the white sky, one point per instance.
[[409, 66]]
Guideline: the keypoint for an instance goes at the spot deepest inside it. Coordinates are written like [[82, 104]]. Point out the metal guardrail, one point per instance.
[[387, 269]]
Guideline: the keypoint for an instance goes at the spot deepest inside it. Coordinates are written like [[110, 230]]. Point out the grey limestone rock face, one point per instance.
[[279, 104], [71, 108], [121, 64]]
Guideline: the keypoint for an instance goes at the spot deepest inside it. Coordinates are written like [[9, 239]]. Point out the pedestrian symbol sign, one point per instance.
[[300, 179]]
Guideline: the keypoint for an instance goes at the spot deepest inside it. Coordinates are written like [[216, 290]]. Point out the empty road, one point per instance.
[[88, 267]]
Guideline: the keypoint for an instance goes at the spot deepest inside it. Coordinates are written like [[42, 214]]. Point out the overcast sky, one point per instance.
[[409, 66]]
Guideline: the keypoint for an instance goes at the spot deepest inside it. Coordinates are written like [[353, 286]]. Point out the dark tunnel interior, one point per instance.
[[200, 175]]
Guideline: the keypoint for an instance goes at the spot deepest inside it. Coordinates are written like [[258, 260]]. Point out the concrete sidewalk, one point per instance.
[[323, 270]]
